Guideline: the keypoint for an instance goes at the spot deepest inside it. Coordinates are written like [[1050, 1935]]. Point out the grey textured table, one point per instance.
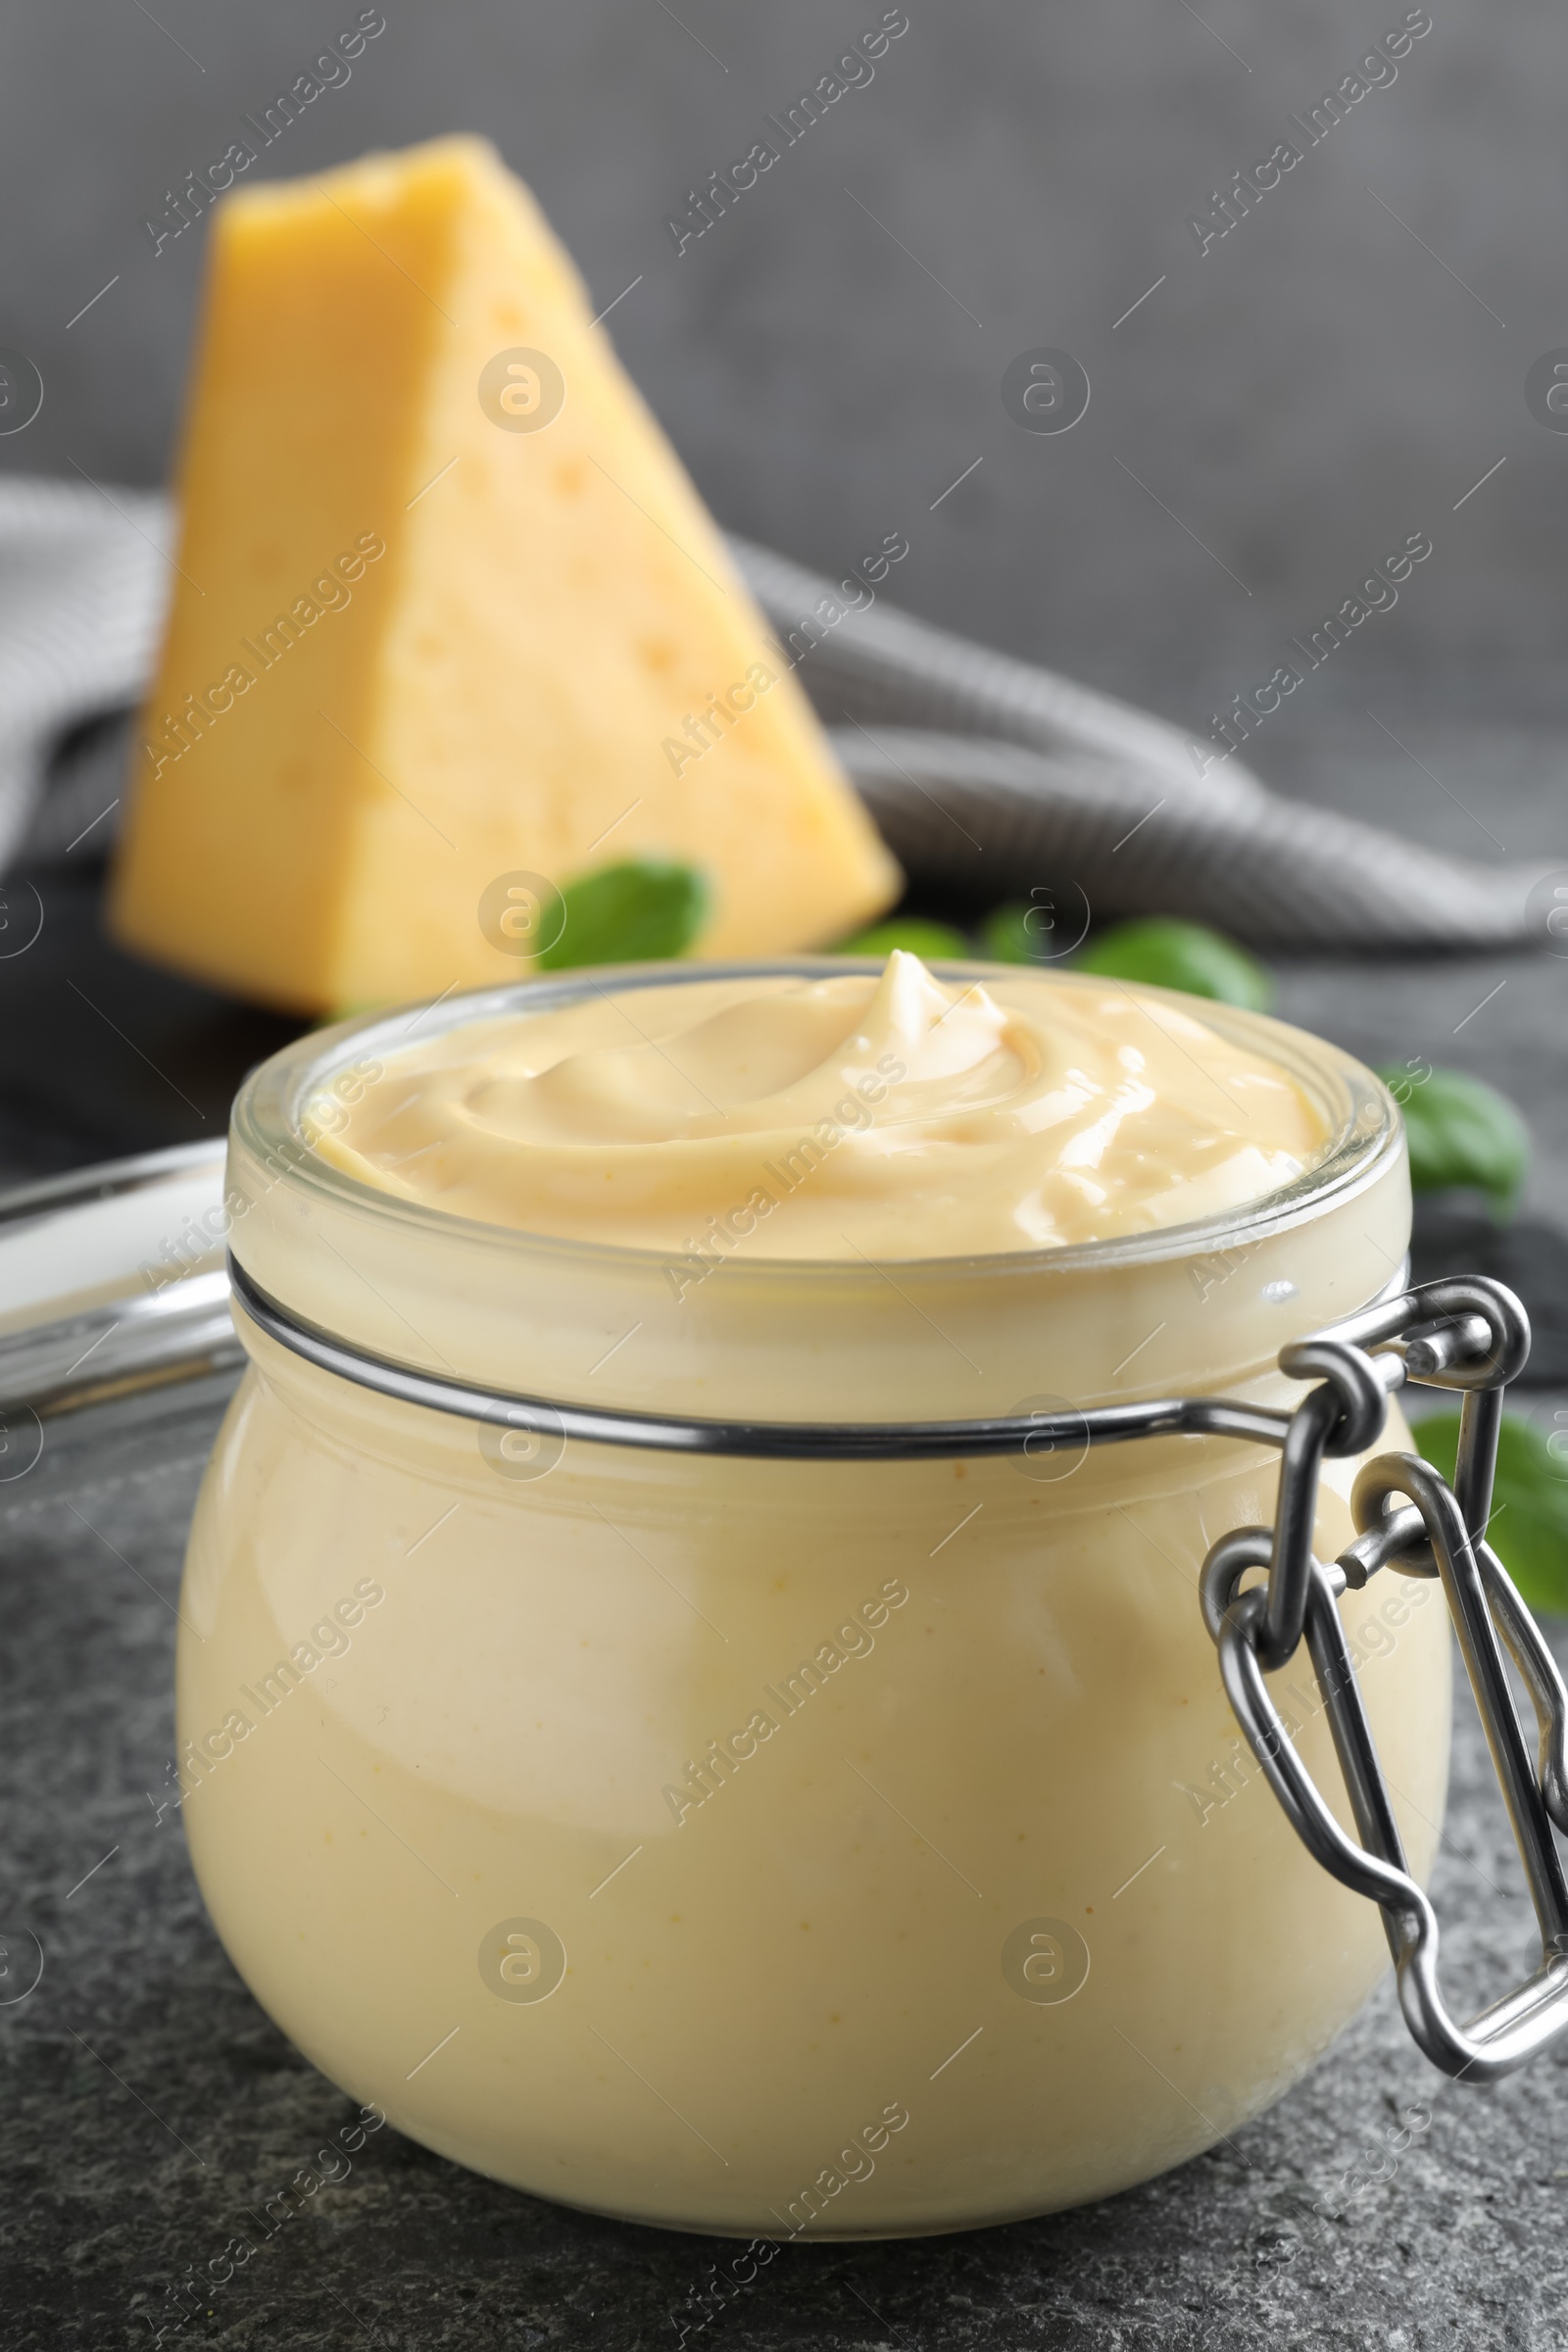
[[149, 2104]]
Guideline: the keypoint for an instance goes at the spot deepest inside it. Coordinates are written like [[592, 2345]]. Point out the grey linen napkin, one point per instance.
[[985, 775], [991, 775], [83, 582]]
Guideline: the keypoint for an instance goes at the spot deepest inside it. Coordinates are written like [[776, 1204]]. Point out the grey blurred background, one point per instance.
[[1281, 411]]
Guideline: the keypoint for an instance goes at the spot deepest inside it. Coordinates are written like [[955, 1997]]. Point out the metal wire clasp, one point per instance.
[[1470, 1335]]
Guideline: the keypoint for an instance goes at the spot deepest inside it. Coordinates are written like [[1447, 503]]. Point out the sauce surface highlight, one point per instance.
[[887, 1114]]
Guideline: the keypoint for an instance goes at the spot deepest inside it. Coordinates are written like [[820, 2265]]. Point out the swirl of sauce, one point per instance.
[[887, 1115]]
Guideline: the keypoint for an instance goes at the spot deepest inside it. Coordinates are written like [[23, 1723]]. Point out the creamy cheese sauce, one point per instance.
[[892, 1115], [831, 1847]]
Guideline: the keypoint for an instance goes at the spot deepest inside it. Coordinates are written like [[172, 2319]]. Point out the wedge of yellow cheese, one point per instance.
[[447, 609]]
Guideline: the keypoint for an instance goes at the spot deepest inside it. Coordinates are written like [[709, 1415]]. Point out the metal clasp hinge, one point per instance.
[[1473, 1335]]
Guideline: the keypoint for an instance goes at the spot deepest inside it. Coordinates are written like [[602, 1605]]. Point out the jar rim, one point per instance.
[[1362, 1121]]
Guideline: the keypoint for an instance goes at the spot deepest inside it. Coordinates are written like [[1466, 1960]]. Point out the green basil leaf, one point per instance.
[[1529, 1530], [1018, 933], [1167, 953], [1462, 1134], [939, 940], [638, 913]]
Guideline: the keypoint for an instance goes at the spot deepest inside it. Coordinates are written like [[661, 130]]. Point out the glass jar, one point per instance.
[[771, 1847]]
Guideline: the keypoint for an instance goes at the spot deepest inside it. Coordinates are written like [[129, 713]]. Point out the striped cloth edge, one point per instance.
[[992, 777]]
